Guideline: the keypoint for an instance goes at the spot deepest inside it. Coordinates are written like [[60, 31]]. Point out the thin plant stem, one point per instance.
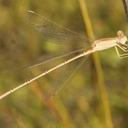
[[46, 72], [99, 73], [125, 3]]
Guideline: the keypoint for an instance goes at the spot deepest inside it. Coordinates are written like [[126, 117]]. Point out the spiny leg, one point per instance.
[[124, 55], [125, 49]]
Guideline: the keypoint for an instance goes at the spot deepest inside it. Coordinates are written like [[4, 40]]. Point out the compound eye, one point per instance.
[[126, 42]]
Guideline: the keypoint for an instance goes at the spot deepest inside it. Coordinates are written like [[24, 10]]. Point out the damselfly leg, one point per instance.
[[124, 49]]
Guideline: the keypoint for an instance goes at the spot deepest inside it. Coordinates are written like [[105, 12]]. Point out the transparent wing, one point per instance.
[[41, 61], [59, 79], [52, 33], [68, 77], [52, 30]]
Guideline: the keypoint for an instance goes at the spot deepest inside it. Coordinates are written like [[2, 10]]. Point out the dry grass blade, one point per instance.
[[125, 3], [99, 73]]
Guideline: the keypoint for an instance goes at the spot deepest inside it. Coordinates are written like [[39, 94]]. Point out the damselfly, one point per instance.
[[119, 42]]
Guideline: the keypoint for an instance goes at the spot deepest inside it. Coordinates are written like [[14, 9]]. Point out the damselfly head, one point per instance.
[[120, 34], [122, 39]]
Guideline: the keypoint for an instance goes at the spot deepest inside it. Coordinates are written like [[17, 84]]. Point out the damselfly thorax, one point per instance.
[[119, 42]]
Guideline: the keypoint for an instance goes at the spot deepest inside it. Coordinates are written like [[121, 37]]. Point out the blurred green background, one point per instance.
[[27, 39]]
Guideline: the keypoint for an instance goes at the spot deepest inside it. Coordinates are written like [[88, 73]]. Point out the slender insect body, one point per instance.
[[118, 42]]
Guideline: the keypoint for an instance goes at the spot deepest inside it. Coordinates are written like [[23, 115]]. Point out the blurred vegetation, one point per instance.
[[27, 40]]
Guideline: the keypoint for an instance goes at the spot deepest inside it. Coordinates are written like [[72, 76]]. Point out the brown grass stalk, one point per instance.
[[99, 73]]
